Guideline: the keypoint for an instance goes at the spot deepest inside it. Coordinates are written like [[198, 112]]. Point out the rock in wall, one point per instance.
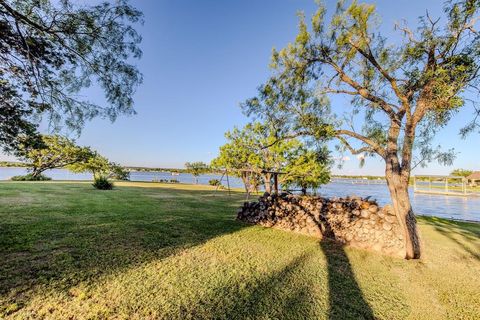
[[352, 221]]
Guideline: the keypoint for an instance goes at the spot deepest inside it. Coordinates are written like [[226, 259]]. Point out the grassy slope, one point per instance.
[[148, 250]]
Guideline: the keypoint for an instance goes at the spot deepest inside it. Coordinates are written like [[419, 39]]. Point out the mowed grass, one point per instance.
[[153, 251]]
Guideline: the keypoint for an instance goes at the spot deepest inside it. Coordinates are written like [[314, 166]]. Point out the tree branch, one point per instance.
[[371, 58], [372, 145], [364, 92]]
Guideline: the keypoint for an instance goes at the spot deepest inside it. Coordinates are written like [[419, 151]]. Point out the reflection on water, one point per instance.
[[425, 204]]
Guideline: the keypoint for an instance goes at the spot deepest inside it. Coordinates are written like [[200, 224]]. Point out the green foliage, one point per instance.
[[16, 127], [418, 84], [31, 177], [100, 166], [196, 169], [461, 172], [214, 182], [52, 50], [8, 164], [118, 172], [54, 152], [102, 183], [254, 147], [307, 169], [255, 150], [95, 164]]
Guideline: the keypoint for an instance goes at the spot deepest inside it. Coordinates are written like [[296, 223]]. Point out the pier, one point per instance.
[[445, 185]]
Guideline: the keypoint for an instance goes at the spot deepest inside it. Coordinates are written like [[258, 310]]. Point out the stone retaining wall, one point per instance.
[[352, 221]]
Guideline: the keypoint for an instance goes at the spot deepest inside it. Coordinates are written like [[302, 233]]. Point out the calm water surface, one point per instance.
[[434, 205]]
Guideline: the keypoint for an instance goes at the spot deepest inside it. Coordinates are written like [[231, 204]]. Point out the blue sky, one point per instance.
[[201, 59]]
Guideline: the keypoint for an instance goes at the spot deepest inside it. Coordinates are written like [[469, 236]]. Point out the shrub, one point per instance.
[[102, 183], [214, 182], [30, 177]]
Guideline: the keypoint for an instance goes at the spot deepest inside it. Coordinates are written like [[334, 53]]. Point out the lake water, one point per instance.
[[455, 207]]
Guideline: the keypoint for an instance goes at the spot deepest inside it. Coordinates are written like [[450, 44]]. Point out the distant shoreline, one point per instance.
[[8, 164]]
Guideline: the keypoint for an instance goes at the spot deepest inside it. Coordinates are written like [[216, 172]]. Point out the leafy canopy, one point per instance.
[[461, 172], [400, 93], [255, 150], [56, 152], [50, 51], [196, 168], [307, 169], [100, 166]]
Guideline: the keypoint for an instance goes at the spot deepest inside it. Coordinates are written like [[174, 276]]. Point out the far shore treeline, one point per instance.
[[19, 164]]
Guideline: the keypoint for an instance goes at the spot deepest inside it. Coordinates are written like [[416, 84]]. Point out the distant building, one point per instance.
[[475, 176]]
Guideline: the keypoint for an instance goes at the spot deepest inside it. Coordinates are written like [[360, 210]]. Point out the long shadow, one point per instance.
[[467, 231], [67, 234], [346, 300], [285, 294]]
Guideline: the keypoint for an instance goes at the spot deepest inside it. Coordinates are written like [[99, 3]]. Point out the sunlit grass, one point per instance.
[[149, 250]]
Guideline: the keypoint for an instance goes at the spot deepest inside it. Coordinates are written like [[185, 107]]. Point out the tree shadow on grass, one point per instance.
[[288, 293], [285, 294], [346, 300], [71, 233], [461, 233]]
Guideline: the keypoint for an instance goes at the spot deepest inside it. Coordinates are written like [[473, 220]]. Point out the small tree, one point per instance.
[[405, 91], [250, 152], [461, 172], [55, 152], [254, 152], [196, 169], [307, 169], [235, 156]]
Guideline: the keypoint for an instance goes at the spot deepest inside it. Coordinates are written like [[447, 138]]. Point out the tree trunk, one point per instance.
[[267, 178], [398, 187], [246, 182], [36, 172]]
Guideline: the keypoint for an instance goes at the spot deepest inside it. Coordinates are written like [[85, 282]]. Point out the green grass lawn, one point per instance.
[[149, 251]]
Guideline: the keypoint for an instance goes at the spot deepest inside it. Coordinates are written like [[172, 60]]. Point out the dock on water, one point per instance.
[[445, 185]]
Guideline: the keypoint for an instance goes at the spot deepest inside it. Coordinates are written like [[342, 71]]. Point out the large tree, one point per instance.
[[55, 152], [51, 50], [404, 91]]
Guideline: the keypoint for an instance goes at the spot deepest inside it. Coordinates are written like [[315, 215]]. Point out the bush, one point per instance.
[[102, 183], [174, 181], [214, 182], [30, 177]]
